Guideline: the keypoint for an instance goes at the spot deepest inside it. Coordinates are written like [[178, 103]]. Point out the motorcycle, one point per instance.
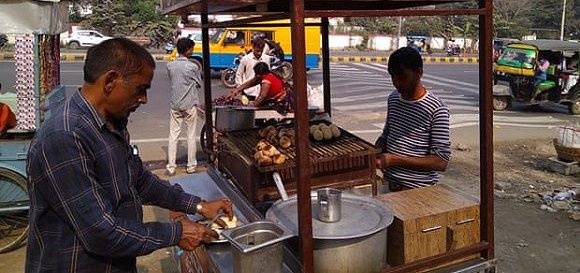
[[228, 76], [453, 50], [169, 47], [278, 66]]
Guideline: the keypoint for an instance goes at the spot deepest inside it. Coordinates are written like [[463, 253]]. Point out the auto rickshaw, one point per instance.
[[518, 74]]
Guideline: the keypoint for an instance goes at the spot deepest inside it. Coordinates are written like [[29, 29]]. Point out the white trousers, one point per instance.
[[176, 119]]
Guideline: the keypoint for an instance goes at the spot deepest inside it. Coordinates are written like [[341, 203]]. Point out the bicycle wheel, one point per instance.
[[228, 78], [14, 205]]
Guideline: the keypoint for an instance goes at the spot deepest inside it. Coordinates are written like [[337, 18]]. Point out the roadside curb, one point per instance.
[[79, 57], [428, 60]]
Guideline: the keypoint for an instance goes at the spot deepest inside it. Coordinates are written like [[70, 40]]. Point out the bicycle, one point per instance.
[[14, 206]]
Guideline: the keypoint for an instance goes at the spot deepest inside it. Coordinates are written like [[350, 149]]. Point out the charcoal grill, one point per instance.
[[343, 163]]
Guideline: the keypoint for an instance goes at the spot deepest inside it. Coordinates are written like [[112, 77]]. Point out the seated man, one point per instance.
[[271, 86]]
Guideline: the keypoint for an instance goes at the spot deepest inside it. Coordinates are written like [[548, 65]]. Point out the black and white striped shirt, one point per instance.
[[415, 128]]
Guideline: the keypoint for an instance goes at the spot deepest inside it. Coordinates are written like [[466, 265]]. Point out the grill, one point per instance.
[[343, 163]]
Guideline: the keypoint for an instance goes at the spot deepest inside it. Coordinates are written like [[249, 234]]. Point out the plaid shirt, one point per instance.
[[86, 191]]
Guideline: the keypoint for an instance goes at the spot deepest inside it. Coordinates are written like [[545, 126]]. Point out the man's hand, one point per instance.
[[211, 209], [194, 234], [385, 160]]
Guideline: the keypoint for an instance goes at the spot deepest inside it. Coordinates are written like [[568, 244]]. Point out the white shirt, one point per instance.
[[246, 71]]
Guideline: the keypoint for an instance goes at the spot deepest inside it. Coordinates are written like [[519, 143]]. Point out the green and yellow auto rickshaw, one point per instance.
[[538, 70]]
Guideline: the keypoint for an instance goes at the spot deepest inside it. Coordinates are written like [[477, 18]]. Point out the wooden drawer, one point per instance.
[[414, 240], [428, 222], [463, 228]]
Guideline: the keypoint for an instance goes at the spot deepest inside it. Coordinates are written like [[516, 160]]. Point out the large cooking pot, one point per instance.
[[355, 244]]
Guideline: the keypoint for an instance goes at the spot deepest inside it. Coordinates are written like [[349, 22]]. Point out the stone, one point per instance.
[[561, 205], [576, 208], [461, 147], [547, 208], [523, 244], [532, 198], [575, 215], [502, 186]]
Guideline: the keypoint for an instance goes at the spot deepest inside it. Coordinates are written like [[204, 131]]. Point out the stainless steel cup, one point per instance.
[[329, 205]]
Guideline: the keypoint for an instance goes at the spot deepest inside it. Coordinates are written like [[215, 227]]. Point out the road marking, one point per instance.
[[441, 78], [440, 83], [376, 96]]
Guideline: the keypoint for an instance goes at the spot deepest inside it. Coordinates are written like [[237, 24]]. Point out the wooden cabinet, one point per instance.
[[430, 221]]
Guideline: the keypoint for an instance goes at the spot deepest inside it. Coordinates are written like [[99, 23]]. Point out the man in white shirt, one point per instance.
[[246, 69]]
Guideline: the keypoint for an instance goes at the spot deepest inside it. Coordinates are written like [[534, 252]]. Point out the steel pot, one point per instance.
[[355, 244], [232, 118]]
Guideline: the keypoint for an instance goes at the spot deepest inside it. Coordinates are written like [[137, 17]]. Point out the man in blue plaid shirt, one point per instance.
[[87, 187]]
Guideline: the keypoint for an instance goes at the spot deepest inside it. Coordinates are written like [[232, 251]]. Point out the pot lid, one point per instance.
[[361, 216]]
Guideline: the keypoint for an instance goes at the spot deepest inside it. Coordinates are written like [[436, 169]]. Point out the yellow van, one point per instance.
[[227, 43]]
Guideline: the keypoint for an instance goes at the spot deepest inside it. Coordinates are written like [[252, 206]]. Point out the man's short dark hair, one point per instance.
[[258, 42], [184, 44], [261, 68], [120, 54], [404, 58]]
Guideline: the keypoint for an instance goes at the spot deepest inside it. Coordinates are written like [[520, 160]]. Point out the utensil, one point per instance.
[[329, 205]]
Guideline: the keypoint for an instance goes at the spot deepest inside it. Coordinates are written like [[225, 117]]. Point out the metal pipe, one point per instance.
[[563, 21], [271, 25], [207, 77], [486, 125], [326, 66], [391, 13], [302, 168], [256, 19]]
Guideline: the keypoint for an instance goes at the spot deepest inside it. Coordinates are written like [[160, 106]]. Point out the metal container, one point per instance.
[[329, 205], [356, 243], [257, 247], [234, 118]]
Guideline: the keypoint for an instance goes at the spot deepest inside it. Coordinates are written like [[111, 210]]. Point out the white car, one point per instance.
[[85, 38]]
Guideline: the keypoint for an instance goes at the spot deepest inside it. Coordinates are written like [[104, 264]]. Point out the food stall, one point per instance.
[[456, 230], [36, 90]]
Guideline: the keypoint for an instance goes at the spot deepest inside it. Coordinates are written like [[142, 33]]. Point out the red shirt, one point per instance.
[[276, 85]]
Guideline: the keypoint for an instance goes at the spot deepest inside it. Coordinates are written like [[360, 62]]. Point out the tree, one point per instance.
[[127, 18]]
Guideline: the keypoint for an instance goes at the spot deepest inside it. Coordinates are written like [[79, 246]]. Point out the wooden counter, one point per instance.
[[430, 221]]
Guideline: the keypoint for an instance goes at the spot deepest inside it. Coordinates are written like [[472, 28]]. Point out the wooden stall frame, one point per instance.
[[297, 14]]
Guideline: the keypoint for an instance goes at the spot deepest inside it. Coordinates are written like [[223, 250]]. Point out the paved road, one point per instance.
[[359, 92]]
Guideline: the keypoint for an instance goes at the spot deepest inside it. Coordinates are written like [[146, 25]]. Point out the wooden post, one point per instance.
[[207, 78], [486, 124], [302, 142], [326, 66]]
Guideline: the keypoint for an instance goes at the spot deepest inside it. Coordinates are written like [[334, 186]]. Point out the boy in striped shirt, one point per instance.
[[415, 139]]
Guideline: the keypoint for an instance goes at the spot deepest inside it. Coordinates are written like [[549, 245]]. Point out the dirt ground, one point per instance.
[[527, 239]]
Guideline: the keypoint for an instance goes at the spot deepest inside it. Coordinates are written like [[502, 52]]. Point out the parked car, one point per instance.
[[85, 38]]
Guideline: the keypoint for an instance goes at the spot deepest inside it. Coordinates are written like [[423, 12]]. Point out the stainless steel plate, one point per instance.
[[361, 216]]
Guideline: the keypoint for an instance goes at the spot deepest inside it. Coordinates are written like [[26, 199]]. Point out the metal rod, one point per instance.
[[302, 142], [271, 25], [432, 262], [563, 21], [391, 13], [256, 19], [326, 66], [207, 77], [486, 125]]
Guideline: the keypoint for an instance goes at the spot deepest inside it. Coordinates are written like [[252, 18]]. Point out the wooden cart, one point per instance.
[[297, 11]]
